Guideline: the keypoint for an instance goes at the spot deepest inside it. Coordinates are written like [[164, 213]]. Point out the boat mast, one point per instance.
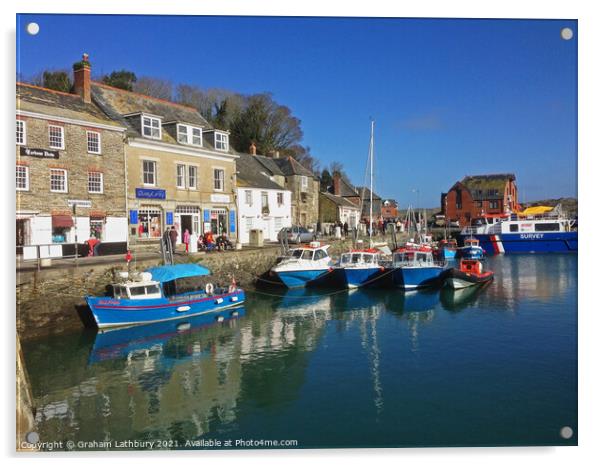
[[371, 156]]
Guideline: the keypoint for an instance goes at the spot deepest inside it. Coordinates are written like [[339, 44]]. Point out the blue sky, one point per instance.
[[450, 97]]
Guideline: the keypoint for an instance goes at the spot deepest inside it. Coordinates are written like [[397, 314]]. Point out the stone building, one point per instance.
[[180, 171], [70, 177], [479, 195], [337, 209]]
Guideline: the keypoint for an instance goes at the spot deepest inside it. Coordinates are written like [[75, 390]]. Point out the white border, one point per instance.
[[590, 77]]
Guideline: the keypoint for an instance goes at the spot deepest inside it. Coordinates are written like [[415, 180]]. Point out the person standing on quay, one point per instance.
[[186, 238], [173, 237]]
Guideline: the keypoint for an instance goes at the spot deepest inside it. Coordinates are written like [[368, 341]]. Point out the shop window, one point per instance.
[[97, 227], [219, 221], [149, 223]]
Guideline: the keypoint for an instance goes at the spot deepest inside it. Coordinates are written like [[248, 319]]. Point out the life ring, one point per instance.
[[232, 288], [209, 288]]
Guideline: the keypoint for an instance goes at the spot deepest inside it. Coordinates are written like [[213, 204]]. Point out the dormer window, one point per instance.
[[221, 141], [151, 127], [190, 135]]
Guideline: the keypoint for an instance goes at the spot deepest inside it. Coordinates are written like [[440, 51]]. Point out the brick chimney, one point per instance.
[[336, 183], [253, 149], [81, 79]]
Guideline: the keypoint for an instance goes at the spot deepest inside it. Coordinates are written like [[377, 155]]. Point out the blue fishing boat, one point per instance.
[[304, 266], [155, 296], [359, 268], [471, 249], [414, 268], [448, 249]]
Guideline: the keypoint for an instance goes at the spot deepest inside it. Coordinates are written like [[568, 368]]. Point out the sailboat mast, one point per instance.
[[371, 155]]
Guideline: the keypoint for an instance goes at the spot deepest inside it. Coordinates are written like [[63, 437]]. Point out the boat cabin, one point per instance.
[[360, 258], [137, 290], [471, 266], [309, 254], [471, 243], [419, 257]]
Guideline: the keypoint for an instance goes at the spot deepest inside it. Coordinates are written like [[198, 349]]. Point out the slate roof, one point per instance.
[[365, 194], [269, 164], [340, 201], [59, 104], [251, 173], [479, 185], [119, 103], [289, 166], [347, 190]]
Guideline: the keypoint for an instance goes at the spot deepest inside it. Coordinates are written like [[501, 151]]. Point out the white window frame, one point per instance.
[[222, 179], [183, 184], [150, 125], [62, 146], [224, 141], [248, 197], [190, 136], [101, 182], [189, 170], [88, 133], [279, 197], [66, 189], [23, 132], [26, 188], [155, 172]]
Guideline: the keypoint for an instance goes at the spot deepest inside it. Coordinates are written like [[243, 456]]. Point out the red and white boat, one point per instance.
[[470, 273]]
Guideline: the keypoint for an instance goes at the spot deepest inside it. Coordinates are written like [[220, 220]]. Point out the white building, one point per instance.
[[262, 203]]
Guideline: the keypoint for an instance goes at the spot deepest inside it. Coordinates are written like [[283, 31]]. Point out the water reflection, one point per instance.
[[258, 371]]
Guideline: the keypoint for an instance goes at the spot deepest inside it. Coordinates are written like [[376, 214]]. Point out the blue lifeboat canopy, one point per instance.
[[167, 273]]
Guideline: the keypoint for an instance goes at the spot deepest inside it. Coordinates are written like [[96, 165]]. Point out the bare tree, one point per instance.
[[154, 87]]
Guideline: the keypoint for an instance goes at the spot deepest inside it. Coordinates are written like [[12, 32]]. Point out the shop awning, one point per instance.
[[62, 221]]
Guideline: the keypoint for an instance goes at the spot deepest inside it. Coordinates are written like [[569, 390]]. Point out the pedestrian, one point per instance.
[[346, 229], [186, 238], [173, 237]]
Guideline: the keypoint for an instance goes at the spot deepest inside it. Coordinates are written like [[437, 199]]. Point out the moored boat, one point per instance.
[[154, 296], [535, 230], [359, 268], [448, 249], [470, 273], [416, 268], [303, 266], [471, 249]]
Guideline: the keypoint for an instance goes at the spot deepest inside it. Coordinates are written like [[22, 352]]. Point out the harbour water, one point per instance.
[[365, 368]]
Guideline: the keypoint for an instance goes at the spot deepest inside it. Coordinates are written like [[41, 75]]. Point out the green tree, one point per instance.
[[122, 79], [325, 181], [57, 80]]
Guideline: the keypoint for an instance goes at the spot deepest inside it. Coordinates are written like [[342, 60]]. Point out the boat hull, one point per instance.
[[457, 279], [299, 278], [520, 243], [111, 312], [356, 277], [448, 253], [471, 253], [411, 278]]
